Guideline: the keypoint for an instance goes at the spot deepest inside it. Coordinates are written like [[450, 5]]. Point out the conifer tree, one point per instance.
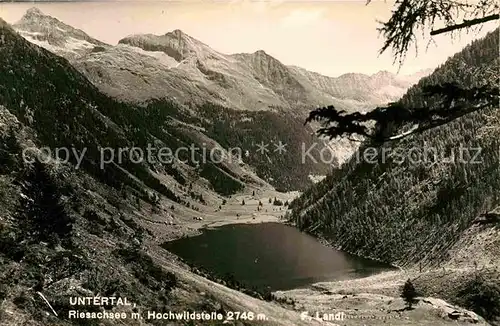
[[409, 294], [450, 100]]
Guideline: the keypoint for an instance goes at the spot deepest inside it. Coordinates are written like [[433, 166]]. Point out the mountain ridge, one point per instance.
[[245, 81], [50, 32]]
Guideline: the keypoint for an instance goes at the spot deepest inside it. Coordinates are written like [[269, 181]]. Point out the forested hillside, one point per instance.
[[37, 86], [66, 111], [246, 130], [409, 205]]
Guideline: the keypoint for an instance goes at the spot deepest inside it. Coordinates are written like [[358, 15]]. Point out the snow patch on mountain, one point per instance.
[[72, 45], [54, 35], [161, 56]]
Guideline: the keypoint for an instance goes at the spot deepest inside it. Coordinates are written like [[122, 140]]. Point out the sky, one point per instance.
[[329, 37]]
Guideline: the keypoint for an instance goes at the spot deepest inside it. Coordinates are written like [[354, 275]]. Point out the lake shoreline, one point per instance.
[[357, 296], [269, 255], [258, 219]]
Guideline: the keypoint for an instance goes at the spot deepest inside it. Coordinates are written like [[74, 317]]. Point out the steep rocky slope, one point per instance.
[[145, 68]]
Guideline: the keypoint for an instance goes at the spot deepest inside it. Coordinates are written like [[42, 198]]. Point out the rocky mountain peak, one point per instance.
[[263, 55], [181, 39], [34, 12], [49, 32], [186, 40], [260, 59], [175, 44], [34, 16], [177, 33]]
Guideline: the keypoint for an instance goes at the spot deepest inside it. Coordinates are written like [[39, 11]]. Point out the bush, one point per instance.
[[482, 296]]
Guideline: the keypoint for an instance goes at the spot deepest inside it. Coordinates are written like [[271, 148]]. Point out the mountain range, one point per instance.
[[176, 65], [252, 96]]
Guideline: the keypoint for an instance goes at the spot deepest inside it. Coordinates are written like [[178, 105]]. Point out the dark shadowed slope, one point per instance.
[[408, 205]]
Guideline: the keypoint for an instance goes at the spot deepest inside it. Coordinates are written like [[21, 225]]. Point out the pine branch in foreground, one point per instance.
[[385, 123]]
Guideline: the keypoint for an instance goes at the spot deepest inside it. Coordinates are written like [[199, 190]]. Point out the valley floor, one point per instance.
[[233, 212]]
